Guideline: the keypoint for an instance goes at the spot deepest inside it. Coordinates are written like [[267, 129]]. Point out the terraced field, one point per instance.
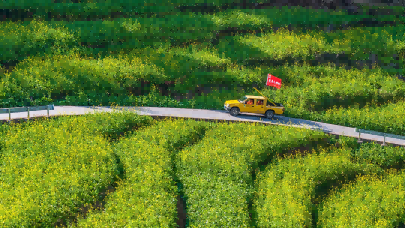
[[123, 170], [337, 66]]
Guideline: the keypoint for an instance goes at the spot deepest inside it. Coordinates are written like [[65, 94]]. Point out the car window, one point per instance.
[[259, 102], [242, 99]]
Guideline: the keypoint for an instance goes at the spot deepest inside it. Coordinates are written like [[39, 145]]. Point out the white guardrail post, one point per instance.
[[379, 133], [28, 109]]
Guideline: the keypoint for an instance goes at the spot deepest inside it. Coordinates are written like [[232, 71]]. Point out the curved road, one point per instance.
[[209, 115]]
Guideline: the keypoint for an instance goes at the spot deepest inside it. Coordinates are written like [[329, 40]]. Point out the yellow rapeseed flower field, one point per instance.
[[369, 201], [286, 189]]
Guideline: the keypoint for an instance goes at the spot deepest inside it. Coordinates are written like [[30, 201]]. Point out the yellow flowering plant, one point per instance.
[[217, 172], [147, 195], [287, 189], [369, 201]]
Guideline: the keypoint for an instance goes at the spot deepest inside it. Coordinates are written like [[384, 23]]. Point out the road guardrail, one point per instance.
[[378, 133], [26, 109]]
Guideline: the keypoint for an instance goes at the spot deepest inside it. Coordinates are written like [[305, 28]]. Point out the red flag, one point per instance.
[[273, 81]]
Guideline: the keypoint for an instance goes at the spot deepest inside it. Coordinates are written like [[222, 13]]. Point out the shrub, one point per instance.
[[147, 197], [217, 172], [70, 75], [386, 157], [370, 201], [287, 188], [49, 172]]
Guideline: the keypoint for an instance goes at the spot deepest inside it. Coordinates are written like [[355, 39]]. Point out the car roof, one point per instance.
[[255, 97]]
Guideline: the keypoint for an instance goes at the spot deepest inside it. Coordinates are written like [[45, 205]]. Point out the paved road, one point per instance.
[[210, 115]]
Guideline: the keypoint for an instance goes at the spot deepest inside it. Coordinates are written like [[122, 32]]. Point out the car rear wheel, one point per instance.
[[234, 111], [270, 114]]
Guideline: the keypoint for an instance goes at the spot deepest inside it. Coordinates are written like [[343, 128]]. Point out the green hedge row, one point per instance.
[[386, 118], [370, 201], [142, 32], [104, 8], [52, 168], [217, 172], [147, 197], [388, 43], [36, 80], [356, 98], [338, 88], [22, 39], [386, 157], [287, 189]]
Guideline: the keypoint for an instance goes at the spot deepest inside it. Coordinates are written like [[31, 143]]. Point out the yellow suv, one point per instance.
[[254, 104]]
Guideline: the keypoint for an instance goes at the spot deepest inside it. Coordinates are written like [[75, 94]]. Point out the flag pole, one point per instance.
[[263, 95]]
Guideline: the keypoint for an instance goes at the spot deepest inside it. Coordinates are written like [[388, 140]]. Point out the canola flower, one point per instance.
[[313, 86], [283, 43], [386, 157], [341, 86], [216, 173], [370, 118], [147, 196], [67, 74], [52, 167], [286, 189], [31, 38], [369, 201]]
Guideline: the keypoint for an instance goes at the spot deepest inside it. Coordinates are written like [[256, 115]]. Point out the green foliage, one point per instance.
[[147, 197], [142, 32], [217, 172], [49, 172], [74, 76], [110, 125], [386, 157], [356, 43], [95, 8], [359, 43], [183, 65], [32, 38], [366, 97], [288, 186], [304, 17], [241, 20], [387, 118], [342, 88], [370, 201], [51, 168], [280, 45]]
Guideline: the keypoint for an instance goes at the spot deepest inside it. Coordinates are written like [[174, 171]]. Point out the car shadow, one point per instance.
[[278, 119]]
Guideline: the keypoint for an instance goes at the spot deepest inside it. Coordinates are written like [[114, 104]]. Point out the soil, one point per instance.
[[182, 215]]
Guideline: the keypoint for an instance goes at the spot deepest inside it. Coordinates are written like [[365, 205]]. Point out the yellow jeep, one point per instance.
[[254, 104]]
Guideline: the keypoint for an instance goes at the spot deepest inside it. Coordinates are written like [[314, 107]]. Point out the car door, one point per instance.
[[259, 106], [248, 107]]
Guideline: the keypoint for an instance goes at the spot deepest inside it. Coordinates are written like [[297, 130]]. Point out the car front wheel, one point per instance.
[[234, 111], [269, 114]]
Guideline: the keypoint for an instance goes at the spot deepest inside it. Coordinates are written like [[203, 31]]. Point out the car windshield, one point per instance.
[[242, 99]]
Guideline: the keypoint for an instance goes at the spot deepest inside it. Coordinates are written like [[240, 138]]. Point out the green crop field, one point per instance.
[[120, 169], [337, 66]]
